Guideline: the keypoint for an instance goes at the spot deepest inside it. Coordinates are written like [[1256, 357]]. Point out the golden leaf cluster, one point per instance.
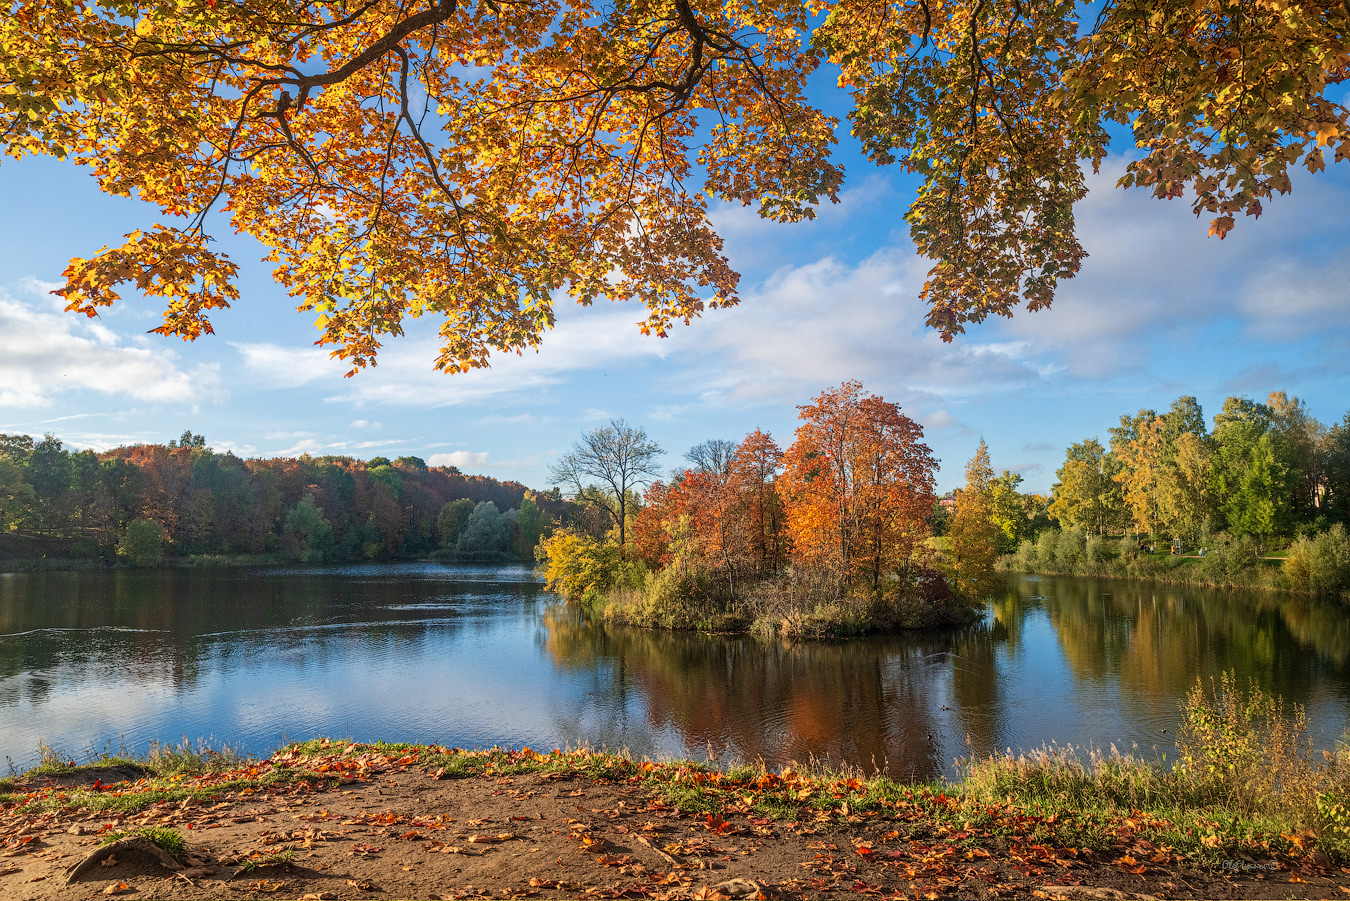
[[476, 161]]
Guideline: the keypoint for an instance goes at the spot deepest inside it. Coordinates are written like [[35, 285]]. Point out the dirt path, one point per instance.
[[357, 823]]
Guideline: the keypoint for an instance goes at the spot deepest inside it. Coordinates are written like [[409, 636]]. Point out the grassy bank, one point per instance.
[[334, 820], [1317, 564]]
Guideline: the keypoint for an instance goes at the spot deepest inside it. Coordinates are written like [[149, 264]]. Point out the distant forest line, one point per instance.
[[183, 499]]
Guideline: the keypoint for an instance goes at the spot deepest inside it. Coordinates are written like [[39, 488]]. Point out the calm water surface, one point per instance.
[[479, 656]]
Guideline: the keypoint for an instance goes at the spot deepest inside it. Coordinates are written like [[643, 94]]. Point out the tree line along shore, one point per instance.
[[183, 502], [1259, 499], [839, 533]]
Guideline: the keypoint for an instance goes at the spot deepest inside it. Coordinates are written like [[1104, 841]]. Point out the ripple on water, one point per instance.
[[77, 629]]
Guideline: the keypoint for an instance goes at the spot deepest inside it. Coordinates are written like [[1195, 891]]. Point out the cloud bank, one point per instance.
[[46, 353]]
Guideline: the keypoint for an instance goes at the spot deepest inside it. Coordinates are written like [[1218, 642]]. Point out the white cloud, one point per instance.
[[943, 419], [45, 352], [314, 444], [460, 459], [1153, 272], [288, 367], [817, 324], [1290, 298], [584, 339], [737, 221]]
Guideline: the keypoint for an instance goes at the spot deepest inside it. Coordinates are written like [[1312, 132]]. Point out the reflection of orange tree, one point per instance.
[[866, 702]]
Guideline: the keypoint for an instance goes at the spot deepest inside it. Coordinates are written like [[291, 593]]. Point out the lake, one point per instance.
[[479, 656]]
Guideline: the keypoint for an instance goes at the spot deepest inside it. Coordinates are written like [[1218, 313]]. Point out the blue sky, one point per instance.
[[1159, 310]]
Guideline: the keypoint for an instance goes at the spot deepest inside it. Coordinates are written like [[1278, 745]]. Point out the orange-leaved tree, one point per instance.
[[756, 467], [857, 484], [452, 158], [722, 515]]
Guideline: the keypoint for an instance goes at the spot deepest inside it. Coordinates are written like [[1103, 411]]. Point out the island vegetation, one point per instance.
[[827, 537], [183, 502]]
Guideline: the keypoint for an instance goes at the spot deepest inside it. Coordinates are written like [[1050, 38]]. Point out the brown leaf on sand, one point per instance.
[[318, 896], [737, 888], [109, 861], [492, 839], [120, 888]]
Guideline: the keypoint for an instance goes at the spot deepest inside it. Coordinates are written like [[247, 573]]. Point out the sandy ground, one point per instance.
[[390, 828]]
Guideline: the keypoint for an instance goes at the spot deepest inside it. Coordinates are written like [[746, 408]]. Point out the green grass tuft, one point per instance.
[[168, 839]]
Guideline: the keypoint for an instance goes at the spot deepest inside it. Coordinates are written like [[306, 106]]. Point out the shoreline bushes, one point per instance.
[[1244, 761], [1317, 564]]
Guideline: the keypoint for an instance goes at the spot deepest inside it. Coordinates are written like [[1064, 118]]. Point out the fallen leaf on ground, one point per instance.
[[738, 888], [8, 870], [109, 861], [492, 839], [120, 888], [364, 885]]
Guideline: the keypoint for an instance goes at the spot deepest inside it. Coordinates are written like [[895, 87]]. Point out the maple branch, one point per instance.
[[227, 154], [440, 11], [406, 116]]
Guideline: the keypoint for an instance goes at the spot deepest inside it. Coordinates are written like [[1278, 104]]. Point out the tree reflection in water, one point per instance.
[[1056, 660], [866, 702]]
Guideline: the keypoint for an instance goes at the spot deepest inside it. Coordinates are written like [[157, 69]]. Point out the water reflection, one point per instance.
[[736, 698], [479, 656]]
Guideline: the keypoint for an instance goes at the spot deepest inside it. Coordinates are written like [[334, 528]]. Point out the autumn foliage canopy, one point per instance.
[[471, 161], [849, 497]]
